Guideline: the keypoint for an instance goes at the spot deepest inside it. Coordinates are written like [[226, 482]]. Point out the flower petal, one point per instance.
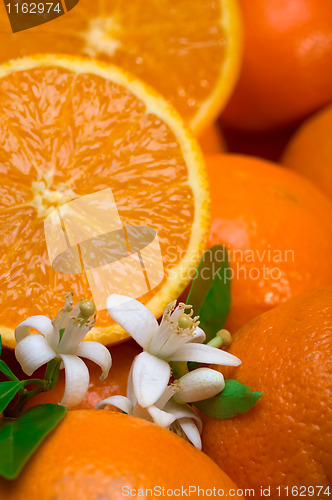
[[73, 336], [120, 402], [130, 386], [140, 412], [40, 323], [167, 347], [32, 352], [183, 411], [201, 353], [150, 378], [97, 353], [200, 384], [191, 431], [166, 396], [166, 343], [77, 380], [168, 311], [134, 317], [161, 417], [199, 336]]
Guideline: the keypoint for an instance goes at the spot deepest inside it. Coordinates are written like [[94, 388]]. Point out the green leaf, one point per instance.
[[210, 293], [61, 332], [7, 371], [8, 391], [234, 399], [20, 437]]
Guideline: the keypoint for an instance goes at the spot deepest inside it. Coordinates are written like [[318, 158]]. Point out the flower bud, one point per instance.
[[203, 383]]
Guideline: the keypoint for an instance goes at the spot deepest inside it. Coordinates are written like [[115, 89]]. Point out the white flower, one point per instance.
[[177, 338], [170, 410], [33, 351]]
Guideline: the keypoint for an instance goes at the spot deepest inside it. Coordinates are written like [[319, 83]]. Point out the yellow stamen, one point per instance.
[[225, 336]]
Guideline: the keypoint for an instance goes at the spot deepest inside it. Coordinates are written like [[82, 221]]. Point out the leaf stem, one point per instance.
[[51, 377], [52, 371]]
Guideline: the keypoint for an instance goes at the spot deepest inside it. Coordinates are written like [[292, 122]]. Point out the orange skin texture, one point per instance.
[[115, 384], [211, 140], [277, 227], [94, 454], [286, 71], [286, 438], [310, 150]]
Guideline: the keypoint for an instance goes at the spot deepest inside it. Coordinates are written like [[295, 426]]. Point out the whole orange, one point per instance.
[[115, 384], [310, 150], [286, 71], [96, 454], [286, 439], [277, 227]]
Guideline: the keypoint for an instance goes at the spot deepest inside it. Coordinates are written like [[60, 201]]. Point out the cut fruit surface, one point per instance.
[[71, 128], [189, 51]]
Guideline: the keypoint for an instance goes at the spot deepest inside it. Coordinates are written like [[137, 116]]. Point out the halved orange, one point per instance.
[[189, 51], [70, 127]]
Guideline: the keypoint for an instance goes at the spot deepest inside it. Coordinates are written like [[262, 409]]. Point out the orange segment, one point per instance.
[[14, 163], [13, 194], [82, 127], [188, 51]]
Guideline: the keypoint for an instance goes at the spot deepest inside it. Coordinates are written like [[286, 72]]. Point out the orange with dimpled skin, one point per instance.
[[98, 454], [277, 227], [309, 151], [286, 69], [286, 438]]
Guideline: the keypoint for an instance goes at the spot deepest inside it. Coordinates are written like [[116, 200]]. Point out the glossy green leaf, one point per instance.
[[20, 437], [210, 294], [234, 399], [7, 371], [8, 391]]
